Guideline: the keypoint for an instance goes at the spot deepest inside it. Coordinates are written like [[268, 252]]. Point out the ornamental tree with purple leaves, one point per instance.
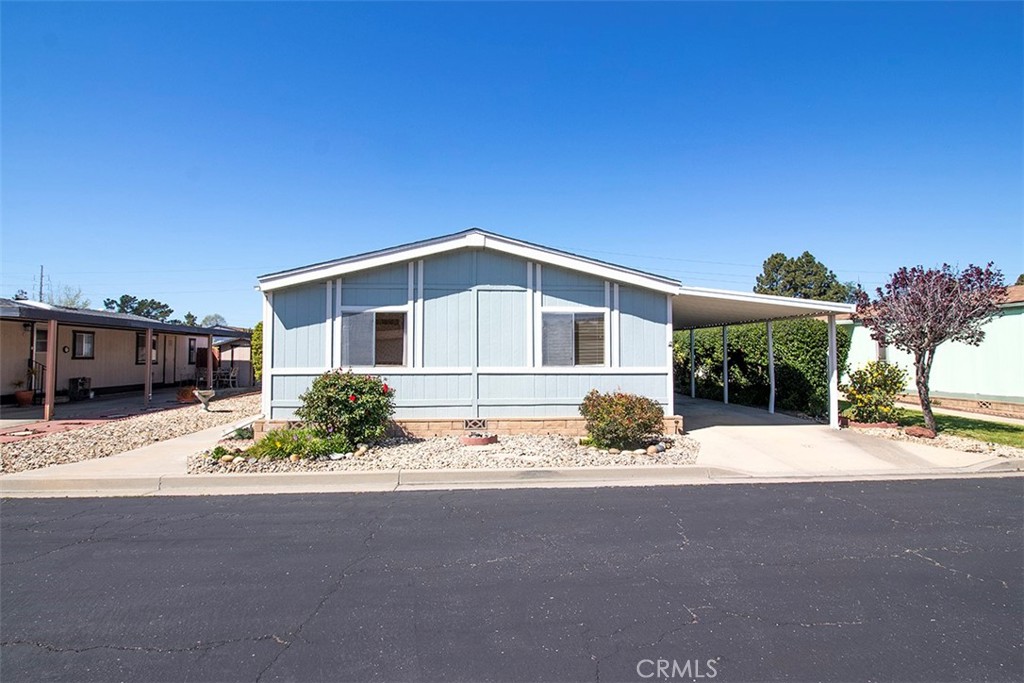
[[920, 309]]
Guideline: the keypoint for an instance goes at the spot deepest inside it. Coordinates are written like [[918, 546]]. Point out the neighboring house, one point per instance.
[[107, 348], [989, 376], [479, 329], [233, 350]]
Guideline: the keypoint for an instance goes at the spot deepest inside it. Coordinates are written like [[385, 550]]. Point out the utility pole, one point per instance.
[[40, 283]]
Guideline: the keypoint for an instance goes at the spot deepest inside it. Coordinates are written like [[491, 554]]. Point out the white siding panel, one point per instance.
[[568, 288], [502, 328], [387, 286], [299, 327], [642, 328]]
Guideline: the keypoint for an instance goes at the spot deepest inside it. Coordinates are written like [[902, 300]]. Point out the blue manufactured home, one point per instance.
[[477, 326], [470, 325]]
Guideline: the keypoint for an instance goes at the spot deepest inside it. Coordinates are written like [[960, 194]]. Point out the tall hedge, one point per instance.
[[256, 351], [801, 364]]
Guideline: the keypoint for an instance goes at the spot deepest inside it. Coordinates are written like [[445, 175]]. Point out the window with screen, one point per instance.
[[140, 349], [373, 338], [570, 339], [83, 345]]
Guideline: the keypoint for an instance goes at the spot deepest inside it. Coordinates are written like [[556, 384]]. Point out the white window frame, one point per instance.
[[407, 361], [573, 310]]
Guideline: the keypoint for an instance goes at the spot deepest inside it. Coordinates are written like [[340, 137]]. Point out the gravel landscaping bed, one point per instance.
[[956, 443], [521, 451], [110, 438]]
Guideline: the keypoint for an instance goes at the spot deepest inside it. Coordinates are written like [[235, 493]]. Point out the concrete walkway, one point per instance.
[[738, 445], [756, 442]]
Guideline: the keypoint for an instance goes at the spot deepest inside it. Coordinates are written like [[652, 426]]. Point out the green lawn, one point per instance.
[[982, 430]]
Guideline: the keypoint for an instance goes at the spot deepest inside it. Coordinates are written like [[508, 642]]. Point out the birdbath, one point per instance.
[[205, 396]]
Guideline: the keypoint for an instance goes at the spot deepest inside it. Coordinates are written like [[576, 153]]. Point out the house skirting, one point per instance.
[[567, 426], [970, 405]]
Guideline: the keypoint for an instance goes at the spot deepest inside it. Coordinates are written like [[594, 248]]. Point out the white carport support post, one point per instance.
[[693, 365], [725, 364], [50, 377], [833, 375], [209, 361], [147, 380], [771, 370]]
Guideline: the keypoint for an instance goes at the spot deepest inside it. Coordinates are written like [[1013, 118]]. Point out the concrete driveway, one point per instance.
[[752, 440]]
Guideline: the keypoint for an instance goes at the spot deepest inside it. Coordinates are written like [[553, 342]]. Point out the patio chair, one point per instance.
[[232, 378]]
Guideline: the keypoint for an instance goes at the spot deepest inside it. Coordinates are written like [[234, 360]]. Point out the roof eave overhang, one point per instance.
[[738, 308], [82, 318], [467, 240]]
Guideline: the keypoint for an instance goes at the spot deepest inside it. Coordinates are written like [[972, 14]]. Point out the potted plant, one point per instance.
[[23, 397]]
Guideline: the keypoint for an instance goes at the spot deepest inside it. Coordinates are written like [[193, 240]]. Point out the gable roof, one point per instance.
[[474, 238], [28, 310]]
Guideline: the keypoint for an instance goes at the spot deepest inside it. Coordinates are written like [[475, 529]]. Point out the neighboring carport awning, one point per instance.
[[697, 307]]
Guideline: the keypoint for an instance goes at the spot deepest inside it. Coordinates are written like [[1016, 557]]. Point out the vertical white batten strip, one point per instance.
[[411, 323], [529, 314], [607, 324], [268, 354], [418, 355], [538, 321], [328, 325], [337, 323], [616, 328], [670, 360]]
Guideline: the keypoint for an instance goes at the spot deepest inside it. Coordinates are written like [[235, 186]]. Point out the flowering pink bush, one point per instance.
[[356, 406]]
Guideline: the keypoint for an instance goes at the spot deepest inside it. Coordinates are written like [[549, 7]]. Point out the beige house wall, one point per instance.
[[113, 364], [241, 358], [15, 342]]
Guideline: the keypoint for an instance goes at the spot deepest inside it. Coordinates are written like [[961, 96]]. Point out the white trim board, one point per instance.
[[470, 239]]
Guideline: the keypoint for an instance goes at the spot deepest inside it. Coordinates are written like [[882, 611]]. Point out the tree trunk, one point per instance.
[[922, 369]]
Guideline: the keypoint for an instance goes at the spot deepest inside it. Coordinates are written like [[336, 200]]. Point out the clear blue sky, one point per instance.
[[175, 151]]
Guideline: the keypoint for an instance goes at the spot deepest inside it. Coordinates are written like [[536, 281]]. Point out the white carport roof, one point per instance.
[[696, 307]]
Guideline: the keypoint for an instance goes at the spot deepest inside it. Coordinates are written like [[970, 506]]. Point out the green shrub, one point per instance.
[[281, 443], [256, 351], [241, 434], [872, 391], [305, 443], [801, 364], [620, 420], [356, 406]]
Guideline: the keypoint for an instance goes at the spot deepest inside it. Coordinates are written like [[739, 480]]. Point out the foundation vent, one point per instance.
[[474, 423]]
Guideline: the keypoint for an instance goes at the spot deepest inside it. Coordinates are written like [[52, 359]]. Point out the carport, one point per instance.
[[695, 308]]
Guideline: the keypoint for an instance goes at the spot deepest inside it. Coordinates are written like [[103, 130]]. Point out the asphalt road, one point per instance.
[[908, 581]]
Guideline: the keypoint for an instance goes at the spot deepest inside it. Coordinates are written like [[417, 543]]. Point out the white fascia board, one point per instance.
[[767, 299], [471, 240]]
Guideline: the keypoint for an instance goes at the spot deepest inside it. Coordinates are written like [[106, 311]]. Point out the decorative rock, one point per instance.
[[512, 451], [921, 432], [124, 434], [653, 450], [253, 461], [614, 451], [238, 458], [361, 451], [639, 451], [294, 457], [660, 447], [337, 456], [226, 458]]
